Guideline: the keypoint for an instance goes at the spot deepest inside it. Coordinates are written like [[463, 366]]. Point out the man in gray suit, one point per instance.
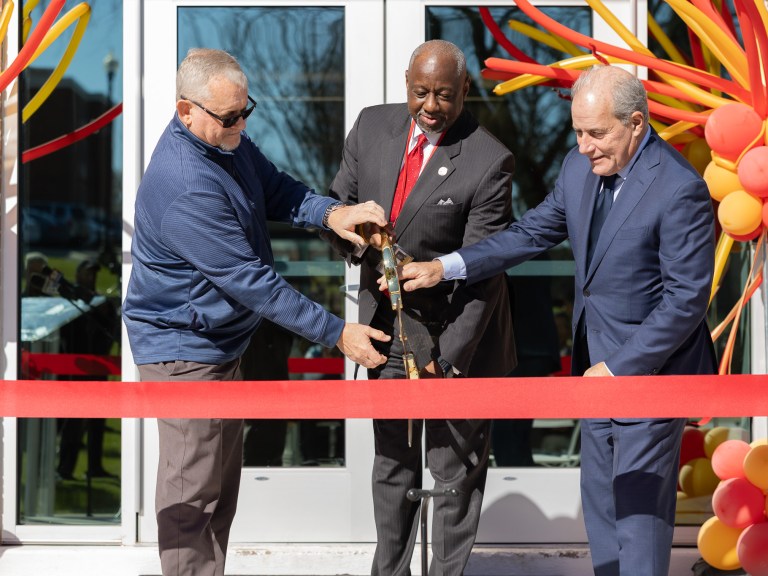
[[461, 195], [643, 280]]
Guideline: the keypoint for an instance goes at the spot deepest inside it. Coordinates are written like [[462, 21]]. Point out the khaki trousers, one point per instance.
[[198, 477]]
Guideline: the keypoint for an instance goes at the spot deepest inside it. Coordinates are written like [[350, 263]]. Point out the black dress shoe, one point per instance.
[[101, 473]]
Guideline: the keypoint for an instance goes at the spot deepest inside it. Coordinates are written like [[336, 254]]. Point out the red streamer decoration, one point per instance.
[[72, 137]]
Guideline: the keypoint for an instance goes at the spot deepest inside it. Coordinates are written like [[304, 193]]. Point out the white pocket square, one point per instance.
[[445, 201]]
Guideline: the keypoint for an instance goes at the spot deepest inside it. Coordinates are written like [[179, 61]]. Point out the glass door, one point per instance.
[[311, 69], [64, 476], [310, 478], [534, 475]]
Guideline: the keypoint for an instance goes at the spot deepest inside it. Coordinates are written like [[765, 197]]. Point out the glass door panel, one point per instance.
[[534, 468], [68, 470], [304, 473]]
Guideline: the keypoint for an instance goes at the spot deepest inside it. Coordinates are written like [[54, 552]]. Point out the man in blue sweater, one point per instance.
[[203, 279]]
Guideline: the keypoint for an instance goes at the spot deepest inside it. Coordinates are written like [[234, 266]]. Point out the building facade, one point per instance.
[[311, 68]]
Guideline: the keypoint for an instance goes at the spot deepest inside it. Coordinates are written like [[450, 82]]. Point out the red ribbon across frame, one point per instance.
[[547, 397]]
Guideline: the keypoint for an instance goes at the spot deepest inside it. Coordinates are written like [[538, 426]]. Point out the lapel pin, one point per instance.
[[442, 171]]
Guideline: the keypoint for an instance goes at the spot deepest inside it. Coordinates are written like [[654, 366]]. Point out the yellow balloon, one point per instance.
[[717, 435], [758, 442], [740, 213], [717, 544], [698, 153], [697, 478], [756, 466], [720, 180]]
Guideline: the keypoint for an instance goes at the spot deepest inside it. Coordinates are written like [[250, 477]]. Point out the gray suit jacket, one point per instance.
[[473, 171]]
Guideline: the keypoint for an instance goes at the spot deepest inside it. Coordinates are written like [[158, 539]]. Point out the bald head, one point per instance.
[[437, 84], [440, 49]]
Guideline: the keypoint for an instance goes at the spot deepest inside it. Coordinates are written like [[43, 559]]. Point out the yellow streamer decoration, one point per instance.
[[728, 53], [5, 18], [664, 41], [546, 38], [81, 13], [723, 249]]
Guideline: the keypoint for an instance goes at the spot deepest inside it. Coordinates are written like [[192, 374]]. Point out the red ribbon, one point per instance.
[[547, 397]]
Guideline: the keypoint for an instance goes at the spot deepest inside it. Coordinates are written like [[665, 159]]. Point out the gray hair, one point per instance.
[[629, 95], [441, 48], [200, 67]]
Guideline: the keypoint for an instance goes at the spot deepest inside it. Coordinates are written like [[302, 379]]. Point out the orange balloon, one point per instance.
[[752, 549], [731, 129], [697, 152], [740, 213], [756, 466], [753, 171], [697, 477], [738, 503], [720, 181], [728, 459], [717, 544]]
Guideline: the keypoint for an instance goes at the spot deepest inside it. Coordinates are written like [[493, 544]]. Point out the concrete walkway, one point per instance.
[[303, 560]]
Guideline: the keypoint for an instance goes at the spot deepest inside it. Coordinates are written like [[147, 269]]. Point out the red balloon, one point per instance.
[[765, 214], [738, 503], [747, 237], [752, 549], [753, 171], [731, 129], [692, 445], [728, 459]]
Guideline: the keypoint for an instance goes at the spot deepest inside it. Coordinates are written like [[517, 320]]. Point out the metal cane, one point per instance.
[[416, 494]]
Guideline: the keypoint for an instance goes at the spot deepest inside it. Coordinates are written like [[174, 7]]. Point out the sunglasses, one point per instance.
[[229, 121]]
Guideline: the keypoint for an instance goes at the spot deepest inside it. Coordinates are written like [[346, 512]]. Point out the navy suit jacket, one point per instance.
[[645, 294]]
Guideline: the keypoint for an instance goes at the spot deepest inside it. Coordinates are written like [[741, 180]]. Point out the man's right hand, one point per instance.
[[420, 275], [355, 344]]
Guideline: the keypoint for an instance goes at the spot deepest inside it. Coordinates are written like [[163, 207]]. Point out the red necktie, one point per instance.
[[408, 176]]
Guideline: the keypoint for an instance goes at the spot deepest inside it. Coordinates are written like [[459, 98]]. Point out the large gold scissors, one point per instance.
[[392, 256], [396, 299]]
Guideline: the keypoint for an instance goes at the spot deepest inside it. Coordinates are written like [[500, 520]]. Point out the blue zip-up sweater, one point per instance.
[[203, 273]]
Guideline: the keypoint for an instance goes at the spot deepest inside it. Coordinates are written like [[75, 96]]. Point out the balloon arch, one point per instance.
[[714, 109]]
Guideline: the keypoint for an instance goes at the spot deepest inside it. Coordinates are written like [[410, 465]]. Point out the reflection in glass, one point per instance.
[[70, 285], [294, 61], [535, 124]]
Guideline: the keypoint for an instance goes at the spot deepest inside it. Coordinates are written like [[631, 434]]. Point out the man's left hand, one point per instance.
[[598, 370], [343, 220]]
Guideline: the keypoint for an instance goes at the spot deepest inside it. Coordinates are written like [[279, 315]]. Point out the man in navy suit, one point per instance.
[[642, 287]]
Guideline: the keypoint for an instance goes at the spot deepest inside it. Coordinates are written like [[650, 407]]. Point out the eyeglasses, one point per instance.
[[229, 121]]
